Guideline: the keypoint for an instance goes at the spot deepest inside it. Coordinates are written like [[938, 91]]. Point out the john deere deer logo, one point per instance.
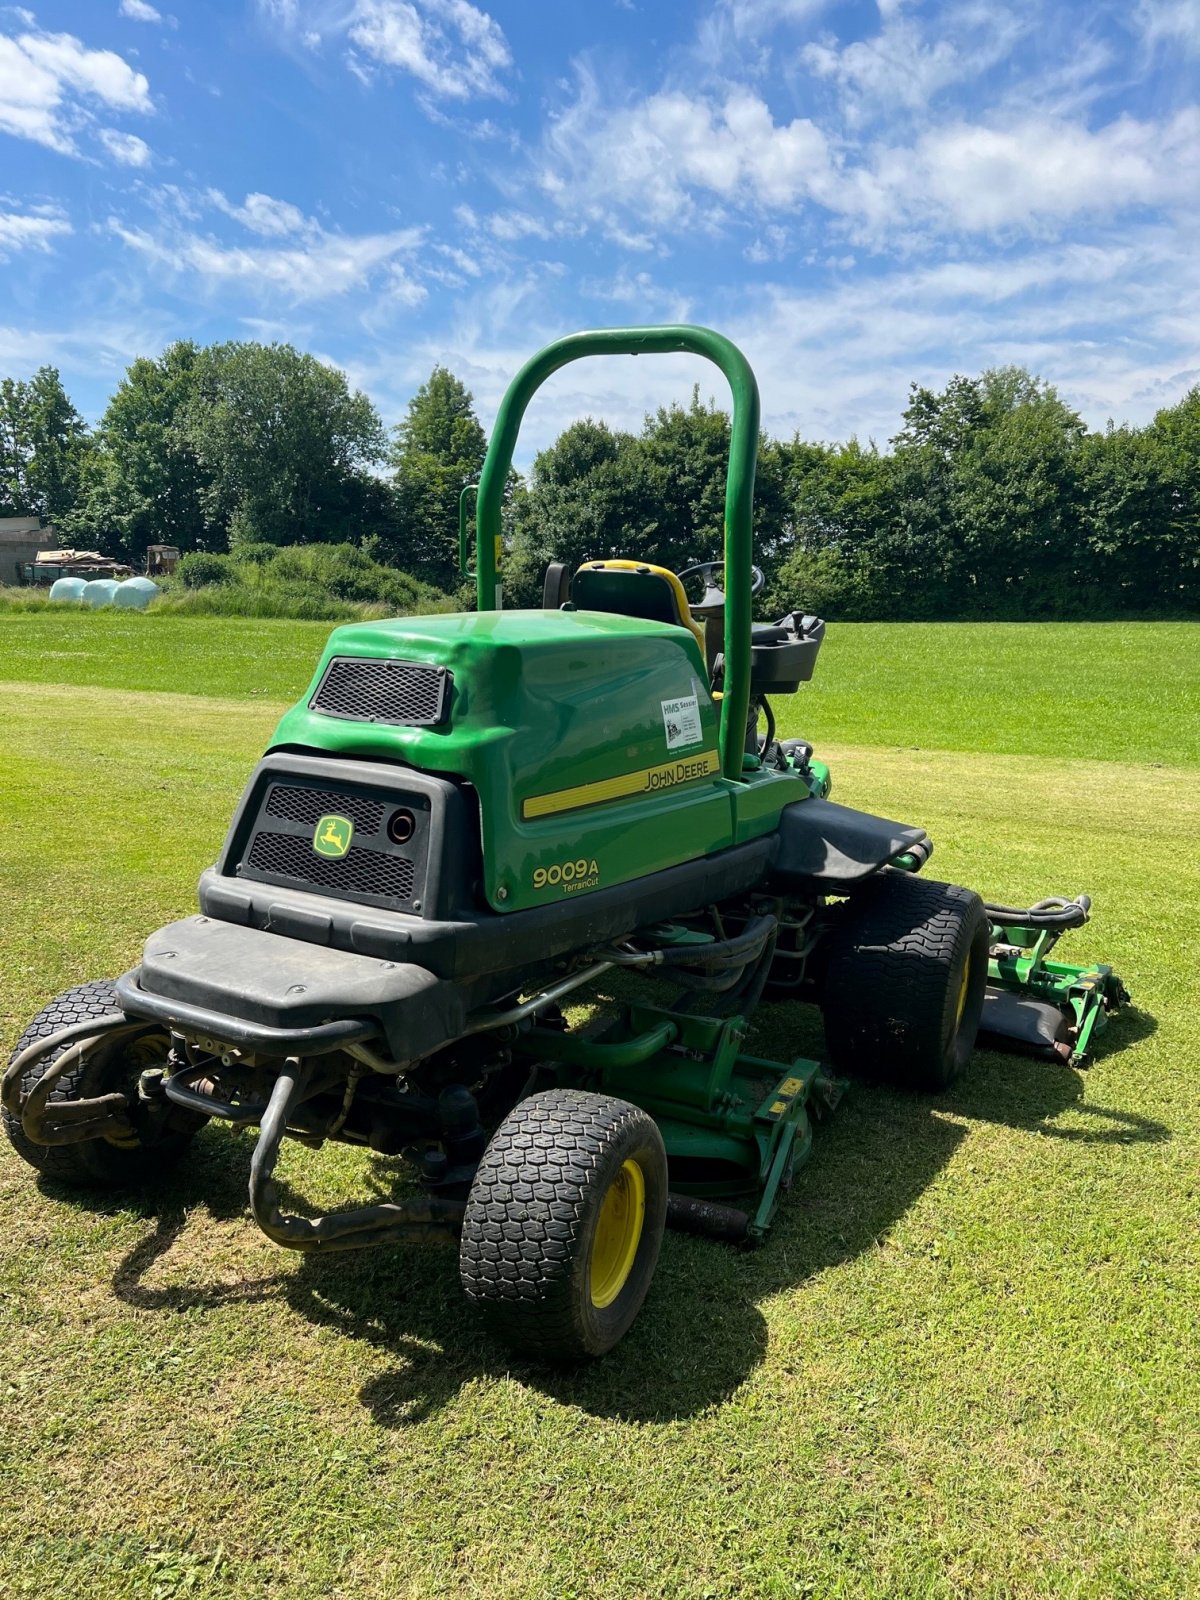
[[332, 836]]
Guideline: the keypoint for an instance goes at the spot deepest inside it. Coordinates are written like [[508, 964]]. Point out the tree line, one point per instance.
[[993, 500]]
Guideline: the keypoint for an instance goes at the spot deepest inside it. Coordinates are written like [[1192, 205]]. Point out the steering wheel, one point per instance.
[[712, 602]]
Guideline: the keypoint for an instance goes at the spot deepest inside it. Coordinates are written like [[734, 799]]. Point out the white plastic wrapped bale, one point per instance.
[[135, 592], [68, 588]]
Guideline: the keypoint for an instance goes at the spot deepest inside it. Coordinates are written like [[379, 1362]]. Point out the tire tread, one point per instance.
[[527, 1211]]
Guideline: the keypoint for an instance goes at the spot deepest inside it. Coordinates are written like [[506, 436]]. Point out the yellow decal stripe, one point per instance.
[[685, 770]]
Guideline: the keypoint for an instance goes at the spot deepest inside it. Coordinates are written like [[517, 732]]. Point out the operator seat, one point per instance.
[[633, 589]]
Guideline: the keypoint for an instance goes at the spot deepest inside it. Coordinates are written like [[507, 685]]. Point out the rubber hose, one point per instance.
[[739, 951], [1050, 913]]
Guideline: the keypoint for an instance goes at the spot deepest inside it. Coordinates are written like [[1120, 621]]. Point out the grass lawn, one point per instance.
[[967, 1362]]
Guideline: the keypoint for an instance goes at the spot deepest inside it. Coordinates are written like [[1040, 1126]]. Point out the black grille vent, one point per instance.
[[291, 855], [406, 693], [295, 804]]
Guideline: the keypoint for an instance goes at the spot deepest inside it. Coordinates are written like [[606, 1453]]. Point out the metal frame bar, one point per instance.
[[739, 488], [181, 1017], [423, 1219]]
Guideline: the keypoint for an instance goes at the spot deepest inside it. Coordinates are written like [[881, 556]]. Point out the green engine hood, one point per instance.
[[591, 740]]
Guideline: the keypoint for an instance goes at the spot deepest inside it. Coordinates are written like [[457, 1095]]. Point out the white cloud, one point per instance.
[[462, 259], [97, 347], [730, 28], [1113, 323], [646, 298], [138, 11], [125, 148], [451, 47], [756, 16], [1170, 23], [21, 232], [896, 67], [448, 45], [656, 155], [1038, 170], [905, 66], [262, 214], [510, 225], [321, 266], [46, 79], [680, 160]]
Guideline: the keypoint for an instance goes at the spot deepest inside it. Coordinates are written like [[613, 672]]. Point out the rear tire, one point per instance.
[[103, 1069], [564, 1223], [906, 969]]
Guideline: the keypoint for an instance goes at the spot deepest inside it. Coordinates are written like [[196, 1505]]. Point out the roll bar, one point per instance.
[[739, 487]]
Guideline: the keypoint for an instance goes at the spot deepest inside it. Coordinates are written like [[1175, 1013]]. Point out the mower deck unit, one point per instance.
[[469, 819]]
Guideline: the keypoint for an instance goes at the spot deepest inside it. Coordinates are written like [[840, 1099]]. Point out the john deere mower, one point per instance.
[[468, 819]]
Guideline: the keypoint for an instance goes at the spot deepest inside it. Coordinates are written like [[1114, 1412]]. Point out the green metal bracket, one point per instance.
[[735, 1126], [466, 504], [739, 488], [1089, 993]]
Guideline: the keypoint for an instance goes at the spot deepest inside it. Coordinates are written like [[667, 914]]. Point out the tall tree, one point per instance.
[[284, 444], [987, 497], [43, 444], [145, 484], [657, 496], [589, 497], [838, 560], [438, 448]]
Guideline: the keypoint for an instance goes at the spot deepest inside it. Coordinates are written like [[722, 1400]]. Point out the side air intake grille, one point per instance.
[[386, 843], [405, 693], [359, 872], [310, 805]]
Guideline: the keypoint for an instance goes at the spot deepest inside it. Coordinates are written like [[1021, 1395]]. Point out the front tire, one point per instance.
[[906, 970], [101, 1069], [564, 1224]]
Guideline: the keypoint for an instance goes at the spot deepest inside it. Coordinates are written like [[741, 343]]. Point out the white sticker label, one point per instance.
[[681, 720]]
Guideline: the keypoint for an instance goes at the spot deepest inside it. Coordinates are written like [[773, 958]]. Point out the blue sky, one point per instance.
[[860, 194]]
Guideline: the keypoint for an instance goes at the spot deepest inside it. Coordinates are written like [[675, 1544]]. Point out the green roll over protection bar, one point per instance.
[[739, 489]]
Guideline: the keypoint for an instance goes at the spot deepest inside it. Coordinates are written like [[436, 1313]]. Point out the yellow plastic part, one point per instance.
[[618, 1234], [962, 993], [686, 620]]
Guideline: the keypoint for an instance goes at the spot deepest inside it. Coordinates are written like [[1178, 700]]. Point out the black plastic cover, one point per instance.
[[1023, 1023], [820, 841], [286, 984]]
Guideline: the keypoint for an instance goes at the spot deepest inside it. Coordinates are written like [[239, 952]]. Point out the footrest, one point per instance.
[[285, 996]]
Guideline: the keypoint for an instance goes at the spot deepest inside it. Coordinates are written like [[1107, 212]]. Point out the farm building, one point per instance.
[[22, 540]]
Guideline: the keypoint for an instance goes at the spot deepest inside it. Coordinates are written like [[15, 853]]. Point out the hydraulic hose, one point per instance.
[[1053, 912], [719, 956], [770, 716], [91, 1027]]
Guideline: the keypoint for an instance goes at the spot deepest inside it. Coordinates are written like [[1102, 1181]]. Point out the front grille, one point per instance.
[[290, 855], [295, 804], [406, 693]]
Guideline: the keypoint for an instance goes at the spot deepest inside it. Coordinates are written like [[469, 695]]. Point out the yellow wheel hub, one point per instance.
[[618, 1234], [962, 994]]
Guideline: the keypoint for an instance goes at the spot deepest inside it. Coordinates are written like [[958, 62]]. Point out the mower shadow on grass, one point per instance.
[[701, 1333]]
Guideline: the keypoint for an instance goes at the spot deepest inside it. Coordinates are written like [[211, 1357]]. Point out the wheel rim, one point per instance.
[[963, 986], [618, 1234]]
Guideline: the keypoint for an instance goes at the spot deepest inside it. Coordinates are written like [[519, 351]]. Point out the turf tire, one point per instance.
[[893, 979], [95, 1163], [525, 1259]]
